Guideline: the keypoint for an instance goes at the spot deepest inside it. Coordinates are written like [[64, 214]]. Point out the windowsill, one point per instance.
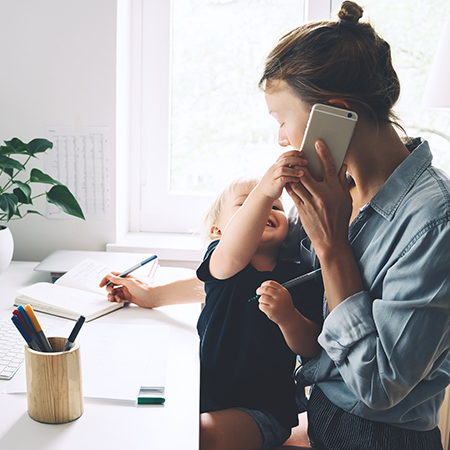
[[172, 248]]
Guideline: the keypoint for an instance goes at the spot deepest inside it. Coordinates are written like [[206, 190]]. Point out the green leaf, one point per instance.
[[23, 193], [9, 163], [60, 196], [37, 176], [32, 211], [9, 171], [7, 150], [8, 204], [39, 146], [17, 145]]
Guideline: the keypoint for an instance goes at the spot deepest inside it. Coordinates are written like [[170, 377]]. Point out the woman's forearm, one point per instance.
[[340, 274], [190, 290]]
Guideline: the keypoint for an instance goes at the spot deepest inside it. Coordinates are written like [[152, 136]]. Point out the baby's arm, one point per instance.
[[242, 234], [299, 332]]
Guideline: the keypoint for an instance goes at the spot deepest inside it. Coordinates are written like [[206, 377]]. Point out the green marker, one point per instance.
[[151, 395]]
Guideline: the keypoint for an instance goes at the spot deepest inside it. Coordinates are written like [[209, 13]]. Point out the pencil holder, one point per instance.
[[54, 388]]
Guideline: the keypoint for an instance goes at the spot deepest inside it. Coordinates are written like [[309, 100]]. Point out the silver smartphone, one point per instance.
[[335, 127]]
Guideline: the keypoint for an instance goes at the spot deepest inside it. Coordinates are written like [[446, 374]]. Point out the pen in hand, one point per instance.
[[132, 269], [73, 335], [295, 281]]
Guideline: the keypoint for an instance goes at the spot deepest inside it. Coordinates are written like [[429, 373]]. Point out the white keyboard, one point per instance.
[[12, 346], [11, 349]]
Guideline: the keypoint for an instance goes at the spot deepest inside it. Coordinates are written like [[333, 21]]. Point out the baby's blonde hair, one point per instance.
[[213, 214]]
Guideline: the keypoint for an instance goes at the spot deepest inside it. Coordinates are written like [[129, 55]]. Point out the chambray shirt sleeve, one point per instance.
[[384, 347]]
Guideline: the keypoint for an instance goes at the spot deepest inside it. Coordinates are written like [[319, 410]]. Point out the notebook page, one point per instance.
[[85, 276]]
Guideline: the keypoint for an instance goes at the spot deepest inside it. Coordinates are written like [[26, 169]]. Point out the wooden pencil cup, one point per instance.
[[54, 388]]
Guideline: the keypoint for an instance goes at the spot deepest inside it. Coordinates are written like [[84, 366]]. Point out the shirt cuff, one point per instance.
[[348, 323]]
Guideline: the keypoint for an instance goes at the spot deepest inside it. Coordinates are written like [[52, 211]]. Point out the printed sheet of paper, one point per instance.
[[80, 159], [117, 359]]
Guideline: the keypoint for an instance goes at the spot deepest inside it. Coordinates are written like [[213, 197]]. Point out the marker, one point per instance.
[[38, 329], [74, 334], [17, 313], [35, 336], [132, 269], [296, 281], [151, 395], [25, 317], [24, 332]]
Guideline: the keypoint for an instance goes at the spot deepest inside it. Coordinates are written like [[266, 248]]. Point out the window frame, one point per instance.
[[150, 121]]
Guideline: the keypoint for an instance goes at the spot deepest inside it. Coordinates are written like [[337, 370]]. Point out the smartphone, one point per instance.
[[335, 127]]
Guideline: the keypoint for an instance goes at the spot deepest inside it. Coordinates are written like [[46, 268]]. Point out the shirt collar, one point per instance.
[[389, 197]]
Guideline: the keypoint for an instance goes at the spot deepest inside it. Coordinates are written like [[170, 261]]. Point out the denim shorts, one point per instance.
[[274, 435]]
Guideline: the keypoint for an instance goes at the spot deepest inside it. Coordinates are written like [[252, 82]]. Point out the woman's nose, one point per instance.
[[282, 138]]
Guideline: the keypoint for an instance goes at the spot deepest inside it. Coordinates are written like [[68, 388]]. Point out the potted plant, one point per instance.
[[16, 189]]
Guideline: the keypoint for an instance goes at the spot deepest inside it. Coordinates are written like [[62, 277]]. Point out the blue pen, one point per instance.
[[35, 336], [76, 329], [23, 331], [132, 269]]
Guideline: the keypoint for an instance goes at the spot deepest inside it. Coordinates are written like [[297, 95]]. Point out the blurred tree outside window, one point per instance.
[[413, 28], [220, 127]]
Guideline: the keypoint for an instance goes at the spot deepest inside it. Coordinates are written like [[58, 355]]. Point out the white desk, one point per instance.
[[109, 425]]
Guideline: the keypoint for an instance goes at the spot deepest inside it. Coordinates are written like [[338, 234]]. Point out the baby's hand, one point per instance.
[[276, 302], [287, 169]]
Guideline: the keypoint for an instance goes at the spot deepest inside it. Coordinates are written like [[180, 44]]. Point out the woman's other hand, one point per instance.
[[138, 291], [127, 289]]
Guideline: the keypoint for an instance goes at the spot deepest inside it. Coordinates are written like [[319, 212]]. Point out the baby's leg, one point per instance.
[[299, 436], [229, 429]]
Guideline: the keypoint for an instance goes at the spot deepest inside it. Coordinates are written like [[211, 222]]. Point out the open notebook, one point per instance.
[[74, 294]]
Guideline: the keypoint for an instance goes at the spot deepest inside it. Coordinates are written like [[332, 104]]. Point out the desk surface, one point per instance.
[[110, 424]]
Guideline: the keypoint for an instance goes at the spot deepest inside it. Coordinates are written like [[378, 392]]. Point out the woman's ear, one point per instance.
[[338, 103]]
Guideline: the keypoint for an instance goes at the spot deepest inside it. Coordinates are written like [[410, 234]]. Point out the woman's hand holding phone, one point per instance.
[[335, 127]]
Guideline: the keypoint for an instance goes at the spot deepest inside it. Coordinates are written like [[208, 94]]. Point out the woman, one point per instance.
[[380, 231]]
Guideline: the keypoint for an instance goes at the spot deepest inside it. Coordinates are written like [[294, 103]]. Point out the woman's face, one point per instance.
[[290, 112]]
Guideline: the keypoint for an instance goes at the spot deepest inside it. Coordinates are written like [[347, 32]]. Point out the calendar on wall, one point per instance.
[[80, 159]]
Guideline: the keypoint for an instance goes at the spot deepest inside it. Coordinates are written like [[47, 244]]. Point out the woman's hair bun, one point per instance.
[[350, 12]]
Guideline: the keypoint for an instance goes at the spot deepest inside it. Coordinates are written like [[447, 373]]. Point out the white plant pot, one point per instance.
[[6, 247]]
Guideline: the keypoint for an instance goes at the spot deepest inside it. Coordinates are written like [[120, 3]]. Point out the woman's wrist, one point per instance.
[[340, 273]]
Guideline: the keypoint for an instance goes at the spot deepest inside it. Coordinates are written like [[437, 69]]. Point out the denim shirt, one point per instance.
[[385, 350]]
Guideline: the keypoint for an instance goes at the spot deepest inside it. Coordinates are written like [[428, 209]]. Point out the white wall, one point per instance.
[[58, 68]]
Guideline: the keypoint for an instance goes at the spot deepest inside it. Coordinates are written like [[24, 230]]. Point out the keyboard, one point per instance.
[[12, 346]]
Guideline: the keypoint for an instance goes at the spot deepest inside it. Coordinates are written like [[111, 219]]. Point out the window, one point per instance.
[[413, 30], [200, 99], [203, 121]]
